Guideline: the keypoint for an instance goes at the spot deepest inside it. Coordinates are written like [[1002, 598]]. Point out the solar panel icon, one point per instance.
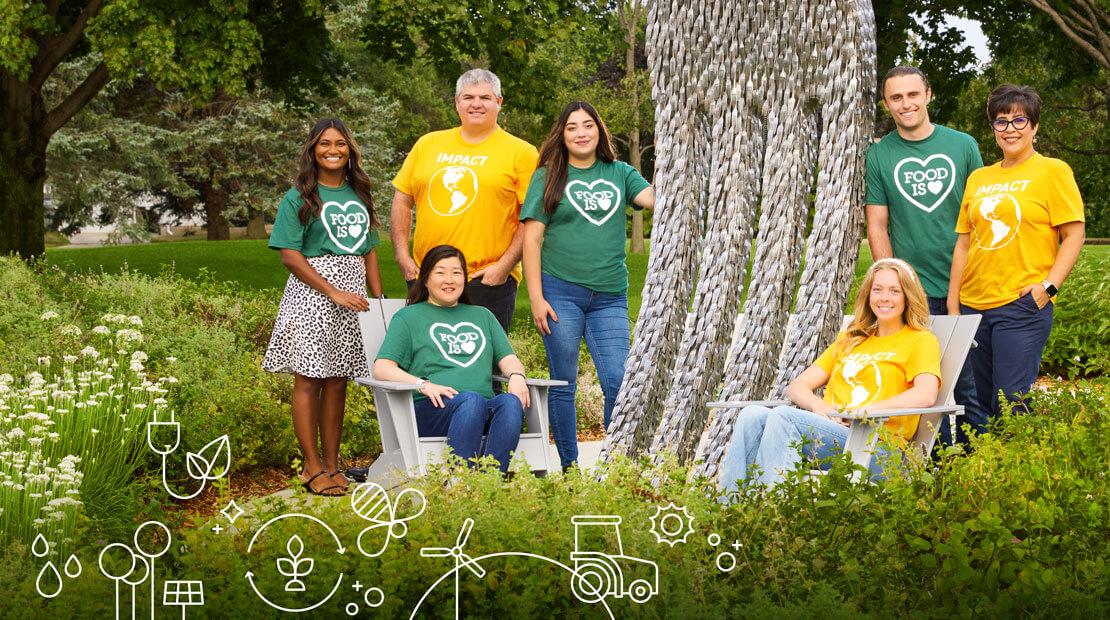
[[183, 594]]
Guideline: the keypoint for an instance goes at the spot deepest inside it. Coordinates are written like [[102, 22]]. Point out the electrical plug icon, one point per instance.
[[171, 429]]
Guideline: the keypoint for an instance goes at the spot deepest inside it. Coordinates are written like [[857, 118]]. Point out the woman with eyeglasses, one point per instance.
[[1020, 232]]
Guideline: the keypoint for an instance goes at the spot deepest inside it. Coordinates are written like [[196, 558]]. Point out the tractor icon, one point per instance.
[[598, 573]]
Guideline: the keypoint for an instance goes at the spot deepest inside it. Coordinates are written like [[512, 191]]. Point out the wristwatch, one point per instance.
[[1050, 288]]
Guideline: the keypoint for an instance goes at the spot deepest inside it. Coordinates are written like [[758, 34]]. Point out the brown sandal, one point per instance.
[[345, 485]]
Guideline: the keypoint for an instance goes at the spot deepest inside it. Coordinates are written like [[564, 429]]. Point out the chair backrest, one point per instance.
[[373, 324]]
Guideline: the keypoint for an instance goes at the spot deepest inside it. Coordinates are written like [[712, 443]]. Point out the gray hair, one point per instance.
[[478, 76]]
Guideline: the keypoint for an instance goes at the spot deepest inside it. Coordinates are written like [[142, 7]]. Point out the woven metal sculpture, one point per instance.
[[763, 110]]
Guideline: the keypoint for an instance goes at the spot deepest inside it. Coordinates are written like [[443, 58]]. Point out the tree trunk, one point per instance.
[[632, 26], [215, 201], [22, 170], [256, 225]]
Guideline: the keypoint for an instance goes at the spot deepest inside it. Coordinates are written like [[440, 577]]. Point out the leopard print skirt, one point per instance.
[[313, 336]]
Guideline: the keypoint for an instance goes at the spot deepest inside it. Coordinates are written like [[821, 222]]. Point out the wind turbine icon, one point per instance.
[[461, 559]]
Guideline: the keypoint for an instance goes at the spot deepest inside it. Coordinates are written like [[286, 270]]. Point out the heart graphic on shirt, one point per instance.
[[346, 224], [925, 183], [460, 344], [595, 201]]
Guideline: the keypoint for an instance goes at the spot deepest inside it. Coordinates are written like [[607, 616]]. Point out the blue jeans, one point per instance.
[[768, 438], [602, 318], [468, 416], [1011, 341], [975, 416]]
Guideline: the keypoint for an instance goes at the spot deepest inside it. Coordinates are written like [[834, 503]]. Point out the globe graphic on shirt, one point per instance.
[[999, 229], [452, 190], [853, 373]]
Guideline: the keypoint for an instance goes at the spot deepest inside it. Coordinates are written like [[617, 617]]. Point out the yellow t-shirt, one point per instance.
[[467, 195], [1011, 215], [879, 368]]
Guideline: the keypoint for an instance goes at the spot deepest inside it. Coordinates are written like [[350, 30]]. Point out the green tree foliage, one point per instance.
[[204, 51]]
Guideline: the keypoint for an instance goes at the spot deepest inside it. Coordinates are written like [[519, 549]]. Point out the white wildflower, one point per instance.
[[139, 356], [126, 336], [171, 359], [43, 360], [134, 320], [90, 352], [94, 431], [69, 359], [48, 315], [102, 330], [171, 379], [136, 366], [70, 330]]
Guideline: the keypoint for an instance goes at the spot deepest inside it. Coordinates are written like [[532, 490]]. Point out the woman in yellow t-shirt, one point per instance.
[[886, 359], [1020, 232]]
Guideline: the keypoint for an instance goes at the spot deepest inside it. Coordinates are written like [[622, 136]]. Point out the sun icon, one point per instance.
[[671, 524]]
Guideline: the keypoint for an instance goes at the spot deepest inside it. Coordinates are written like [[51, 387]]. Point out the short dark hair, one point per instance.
[[1009, 97], [899, 71], [418, 292]]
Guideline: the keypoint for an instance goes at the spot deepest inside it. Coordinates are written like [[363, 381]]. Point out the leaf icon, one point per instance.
[[212, 461], [295, 546]]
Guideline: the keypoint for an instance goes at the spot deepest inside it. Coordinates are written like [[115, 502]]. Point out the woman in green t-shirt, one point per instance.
[[448, 347], [325, 231], [574, 260]]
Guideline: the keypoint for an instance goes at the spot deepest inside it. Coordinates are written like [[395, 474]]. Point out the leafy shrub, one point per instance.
[[1080, 336]]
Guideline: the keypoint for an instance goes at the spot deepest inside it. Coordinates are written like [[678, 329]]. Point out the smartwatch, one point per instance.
[[1050, 288]]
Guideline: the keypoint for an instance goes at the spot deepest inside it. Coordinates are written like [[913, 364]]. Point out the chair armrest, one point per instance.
[[394, 386], [534, 382], [894, 413], [740, 404]]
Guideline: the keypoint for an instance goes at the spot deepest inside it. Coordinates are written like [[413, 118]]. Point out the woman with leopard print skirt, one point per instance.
[[325, 231]]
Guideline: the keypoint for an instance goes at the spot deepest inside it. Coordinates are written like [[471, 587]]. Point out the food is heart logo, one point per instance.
[[460, 344], [925, 182], [596, 201], [346, 224]]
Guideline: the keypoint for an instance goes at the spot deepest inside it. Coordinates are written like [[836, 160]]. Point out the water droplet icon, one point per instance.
[[49, 583], [73, 567], [39, 548]]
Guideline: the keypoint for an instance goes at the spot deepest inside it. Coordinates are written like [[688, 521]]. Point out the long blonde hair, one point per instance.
[[864, 322]]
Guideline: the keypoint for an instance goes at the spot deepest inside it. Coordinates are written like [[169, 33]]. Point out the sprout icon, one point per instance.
[[295, 566]]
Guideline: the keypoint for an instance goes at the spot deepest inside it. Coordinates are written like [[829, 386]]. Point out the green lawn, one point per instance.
[[252, 264]]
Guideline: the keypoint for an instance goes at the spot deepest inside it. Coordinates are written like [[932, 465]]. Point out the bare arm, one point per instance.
[[373, 273], [388, 370], [646, 198], [512, 368], [956, 276], [802, 390], [878, 233], [533, 240], [400, 219], [299, 266], [1072, 235], [922, 394], [497, 273]]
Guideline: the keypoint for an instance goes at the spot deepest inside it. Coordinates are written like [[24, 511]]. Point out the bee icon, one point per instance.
[[388, 518]]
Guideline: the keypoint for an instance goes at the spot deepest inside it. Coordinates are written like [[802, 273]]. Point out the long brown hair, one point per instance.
[[418, 292], [864, 322], [307, 179], [553, 153]]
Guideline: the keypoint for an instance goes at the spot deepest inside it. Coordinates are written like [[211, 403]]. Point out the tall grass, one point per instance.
[[72, 431]]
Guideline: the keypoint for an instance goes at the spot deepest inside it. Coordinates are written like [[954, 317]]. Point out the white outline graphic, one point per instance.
[[296, 610], [376, 590], [598, 575], [117, 578], [152, 555], [327, 227], [616, 205], [232, 511], [976, 215], [924, 165], [669, 514], [461, 559], [75, 573], [177, 591], [250, 574], [38, 581], [198, 466], [40, 547], [455, 209], [371, 502], [454, 329]]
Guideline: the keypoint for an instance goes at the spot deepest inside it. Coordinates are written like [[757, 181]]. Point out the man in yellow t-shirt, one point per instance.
[[466, 185]]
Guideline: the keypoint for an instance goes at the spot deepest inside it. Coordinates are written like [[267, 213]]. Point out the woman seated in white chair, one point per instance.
[[448, 348], [886, 359]]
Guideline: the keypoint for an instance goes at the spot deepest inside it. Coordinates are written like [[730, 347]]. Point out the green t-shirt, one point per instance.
[[584, 239], [921, 183], [342, 228], [454, 346]]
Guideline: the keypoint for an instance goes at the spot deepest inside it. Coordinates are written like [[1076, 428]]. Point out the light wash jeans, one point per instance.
[[602, 318], [769, 438]]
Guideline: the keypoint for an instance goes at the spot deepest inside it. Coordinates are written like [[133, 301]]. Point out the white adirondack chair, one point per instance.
[[956, 337], [404, 452]]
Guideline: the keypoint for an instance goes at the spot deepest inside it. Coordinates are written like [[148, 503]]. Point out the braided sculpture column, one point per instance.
[[763, 111]]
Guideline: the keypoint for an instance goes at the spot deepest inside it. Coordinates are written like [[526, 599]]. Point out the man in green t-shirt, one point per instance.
[[915, 180]]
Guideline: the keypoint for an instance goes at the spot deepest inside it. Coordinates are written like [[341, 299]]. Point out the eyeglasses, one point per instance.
[[1018, 122]]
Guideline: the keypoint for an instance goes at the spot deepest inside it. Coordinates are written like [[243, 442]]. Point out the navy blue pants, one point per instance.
[[1011, 341], [975, 416]]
